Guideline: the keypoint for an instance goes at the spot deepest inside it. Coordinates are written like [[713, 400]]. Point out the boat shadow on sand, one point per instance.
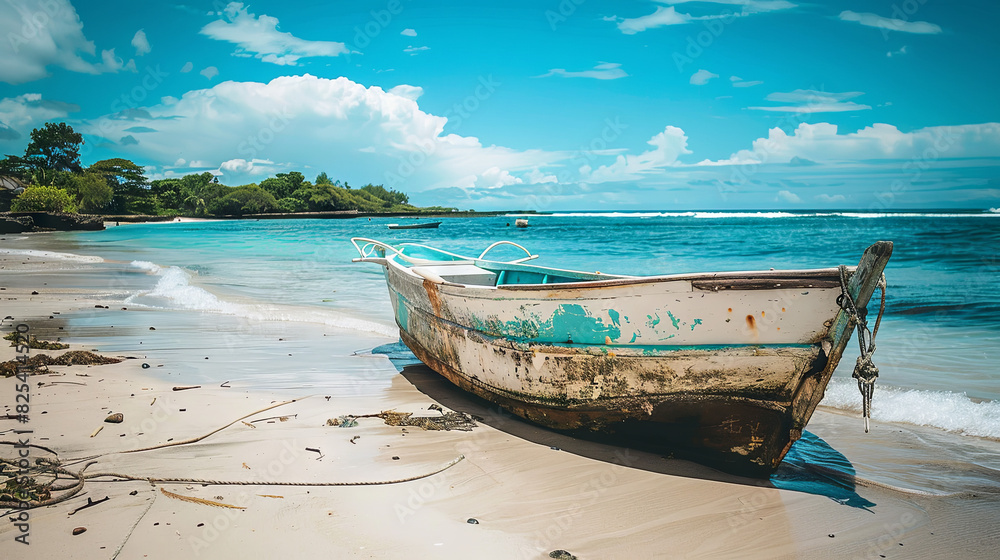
[[811, 466]]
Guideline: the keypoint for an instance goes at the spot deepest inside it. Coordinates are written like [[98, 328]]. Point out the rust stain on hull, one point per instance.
[[433, 296]]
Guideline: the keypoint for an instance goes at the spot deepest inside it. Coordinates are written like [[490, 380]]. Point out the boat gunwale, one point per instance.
[[830, 277]]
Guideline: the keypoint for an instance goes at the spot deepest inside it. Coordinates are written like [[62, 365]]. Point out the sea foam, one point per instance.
[[174, 288], [953, 412], [52, 255]]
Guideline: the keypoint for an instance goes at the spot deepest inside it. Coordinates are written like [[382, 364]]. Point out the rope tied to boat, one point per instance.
[[865, 370]]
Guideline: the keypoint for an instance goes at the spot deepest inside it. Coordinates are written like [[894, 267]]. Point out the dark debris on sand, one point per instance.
[[42, 361], [16, 339], [447, 421]]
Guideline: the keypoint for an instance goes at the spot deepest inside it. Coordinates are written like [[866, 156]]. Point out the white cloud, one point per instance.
[[301, 122], [830, 199], [534, 176], [661, 17], [670, 16], [20, 114], [740, 82], [259, 37], [407, 91], [409, 32], [413, 51], [210, 72], [812, 101], [141, 43], [28, 48], [188, 66], [603, 71], [890, 24], [494, 178], [701, 77], [667, 147], [240, 166], [111, 63], [902, 50], [788, 196], [821, 143]]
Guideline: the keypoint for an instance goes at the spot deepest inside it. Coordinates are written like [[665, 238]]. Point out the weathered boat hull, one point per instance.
[[730, 378]]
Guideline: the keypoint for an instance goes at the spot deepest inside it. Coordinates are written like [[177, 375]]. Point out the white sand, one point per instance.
[[593, 500]]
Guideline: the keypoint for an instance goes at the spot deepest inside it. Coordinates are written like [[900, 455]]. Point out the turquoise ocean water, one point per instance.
[[937, 351]]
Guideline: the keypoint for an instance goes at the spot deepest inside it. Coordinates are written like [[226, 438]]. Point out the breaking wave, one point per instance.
[[953, 412], [174, 289]]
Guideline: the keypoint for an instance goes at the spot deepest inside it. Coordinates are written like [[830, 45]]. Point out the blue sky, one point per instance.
[[562, 104]]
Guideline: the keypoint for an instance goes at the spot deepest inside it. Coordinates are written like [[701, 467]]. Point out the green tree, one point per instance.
[[279, 187], [169, 193], [55, 146], [292, 205], [43, 199], [196, 205], [322, 179], [390, 196], [129, 185], [248, 199], [90, 190]]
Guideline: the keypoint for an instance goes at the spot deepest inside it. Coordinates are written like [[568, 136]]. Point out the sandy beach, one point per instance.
[[306, 489]]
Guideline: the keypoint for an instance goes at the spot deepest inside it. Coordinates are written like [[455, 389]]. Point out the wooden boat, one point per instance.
[[725, 367], [417, 225]]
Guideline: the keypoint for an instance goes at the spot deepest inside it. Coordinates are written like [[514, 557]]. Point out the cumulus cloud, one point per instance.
[[242, 167], [28, 48], [259, 37], [407, 91], [788, 196], [667, 148], [812, 101], [822, 143], [534, 177], [495, 177], [830, 199], [210, 72], [300, 122], [141, 43], [22, 113], [890, 24], [409, 32], [701, 77], [603, 71]]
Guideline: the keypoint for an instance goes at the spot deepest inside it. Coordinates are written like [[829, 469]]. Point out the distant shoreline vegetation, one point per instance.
[[50, 178]]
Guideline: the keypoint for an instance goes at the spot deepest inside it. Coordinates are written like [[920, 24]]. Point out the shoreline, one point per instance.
[[531, 491]]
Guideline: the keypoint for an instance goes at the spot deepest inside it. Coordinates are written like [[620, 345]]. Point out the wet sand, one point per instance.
[[530, 491]]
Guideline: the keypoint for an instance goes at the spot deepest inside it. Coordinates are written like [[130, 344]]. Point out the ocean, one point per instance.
[[938, 346]]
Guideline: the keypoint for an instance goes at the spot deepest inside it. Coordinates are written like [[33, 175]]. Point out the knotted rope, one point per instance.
[[865, 370]]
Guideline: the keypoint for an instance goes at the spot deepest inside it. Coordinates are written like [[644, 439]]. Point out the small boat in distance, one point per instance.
[[418, 225], [723, 367], [521, 222]]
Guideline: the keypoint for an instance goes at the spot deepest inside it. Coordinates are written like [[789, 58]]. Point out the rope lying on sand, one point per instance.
[[214, 482], [74, 489], [55, 467]]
